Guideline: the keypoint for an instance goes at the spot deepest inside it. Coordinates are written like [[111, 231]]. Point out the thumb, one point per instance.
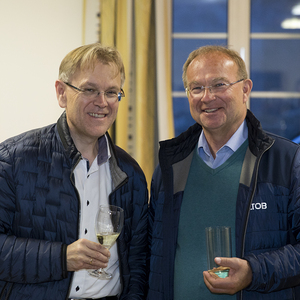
[[223, 261]]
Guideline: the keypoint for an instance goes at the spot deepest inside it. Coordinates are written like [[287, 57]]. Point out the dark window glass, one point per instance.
[[181, 50], [275, 64], [193, 16], [200, 15], [274, 15], [275, 70], [182, 117], [279, 116]]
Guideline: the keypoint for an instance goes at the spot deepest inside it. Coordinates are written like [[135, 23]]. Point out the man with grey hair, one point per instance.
[[52, 181], [224, 171]]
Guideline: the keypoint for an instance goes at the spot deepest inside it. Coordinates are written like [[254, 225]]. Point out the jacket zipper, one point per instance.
[[78, 197], [118, 248], [250, 202]]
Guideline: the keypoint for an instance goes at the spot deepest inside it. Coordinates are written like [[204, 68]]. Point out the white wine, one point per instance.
[[108, 226], [107, 239]]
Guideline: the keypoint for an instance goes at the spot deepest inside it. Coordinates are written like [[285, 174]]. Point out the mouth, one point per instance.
[[211, 110], [95, 115]]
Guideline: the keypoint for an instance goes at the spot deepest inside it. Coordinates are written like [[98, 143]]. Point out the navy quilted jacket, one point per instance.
[[39, 208], [267, 213]]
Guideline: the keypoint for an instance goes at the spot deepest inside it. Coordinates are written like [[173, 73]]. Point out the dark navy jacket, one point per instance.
[[267, 213], [39, 209]]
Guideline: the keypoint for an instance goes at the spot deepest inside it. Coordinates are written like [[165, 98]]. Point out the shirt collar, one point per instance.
[[233, 143]]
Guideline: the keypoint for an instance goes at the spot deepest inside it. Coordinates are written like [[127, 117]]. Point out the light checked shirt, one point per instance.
[[238, 138], [94, 186]]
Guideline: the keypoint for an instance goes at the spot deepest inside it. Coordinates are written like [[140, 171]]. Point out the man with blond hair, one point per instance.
[[52, 181]]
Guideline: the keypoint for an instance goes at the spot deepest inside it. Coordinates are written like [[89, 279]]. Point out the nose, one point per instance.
[[208, 94], [100, 99]]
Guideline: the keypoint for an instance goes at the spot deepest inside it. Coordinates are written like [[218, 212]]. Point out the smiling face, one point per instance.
[[220, 114], [88, 119]]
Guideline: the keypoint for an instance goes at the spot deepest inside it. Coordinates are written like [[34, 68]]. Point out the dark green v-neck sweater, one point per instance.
[[209, 200]]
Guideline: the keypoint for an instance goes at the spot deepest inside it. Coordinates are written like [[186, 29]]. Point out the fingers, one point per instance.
[[213, 274], [219, 285], [94, 246], [84, 254], [218, 260], [240, 276], [92, 263], [224, 261]]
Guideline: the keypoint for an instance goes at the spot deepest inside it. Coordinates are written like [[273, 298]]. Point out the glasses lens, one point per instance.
[[197, 91], [215, 89], [111, 95]]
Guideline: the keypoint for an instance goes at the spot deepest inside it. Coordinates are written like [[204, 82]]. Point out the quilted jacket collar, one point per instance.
[[178, 148], [65, 136], [118, 176]]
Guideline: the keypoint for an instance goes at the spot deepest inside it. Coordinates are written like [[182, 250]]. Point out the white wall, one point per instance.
[[35, 35]]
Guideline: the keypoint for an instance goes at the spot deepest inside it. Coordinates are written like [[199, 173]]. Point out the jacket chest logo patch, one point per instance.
[[258, 206]]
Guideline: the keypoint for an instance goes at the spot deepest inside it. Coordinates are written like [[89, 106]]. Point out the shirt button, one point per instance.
[[85, 231], [88, 203], [77, 288]]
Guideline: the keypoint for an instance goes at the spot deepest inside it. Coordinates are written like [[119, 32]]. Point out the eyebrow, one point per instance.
[[220, 79], [87, 83], [212, 82], [94, 85]]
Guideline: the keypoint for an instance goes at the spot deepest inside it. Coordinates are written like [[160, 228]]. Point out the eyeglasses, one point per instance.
[[218, 88], [92, 94]]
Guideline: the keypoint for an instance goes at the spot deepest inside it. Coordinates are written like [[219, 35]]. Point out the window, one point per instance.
[[271, 42], [195, 23], [275, 65]]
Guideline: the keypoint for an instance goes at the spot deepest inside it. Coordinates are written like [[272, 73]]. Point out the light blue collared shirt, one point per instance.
[[238, 138]]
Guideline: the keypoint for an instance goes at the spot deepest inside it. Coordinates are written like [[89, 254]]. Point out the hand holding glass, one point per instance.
[[218, 244], [108, 226]]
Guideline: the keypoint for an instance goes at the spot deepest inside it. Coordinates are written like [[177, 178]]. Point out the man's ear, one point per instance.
[[247, 87], [60, 88]]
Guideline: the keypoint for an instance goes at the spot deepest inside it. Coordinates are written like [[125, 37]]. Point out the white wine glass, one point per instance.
[[108, 226]]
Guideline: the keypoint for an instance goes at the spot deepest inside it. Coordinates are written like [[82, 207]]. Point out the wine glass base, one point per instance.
[[222, 274], [101, 274]]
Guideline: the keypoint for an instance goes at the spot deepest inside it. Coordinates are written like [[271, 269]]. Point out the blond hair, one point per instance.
[[231, 54], [86, 57]]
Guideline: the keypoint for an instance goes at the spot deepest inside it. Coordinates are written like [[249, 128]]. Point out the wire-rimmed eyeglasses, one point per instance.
[[110, 95], [218, 88]]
